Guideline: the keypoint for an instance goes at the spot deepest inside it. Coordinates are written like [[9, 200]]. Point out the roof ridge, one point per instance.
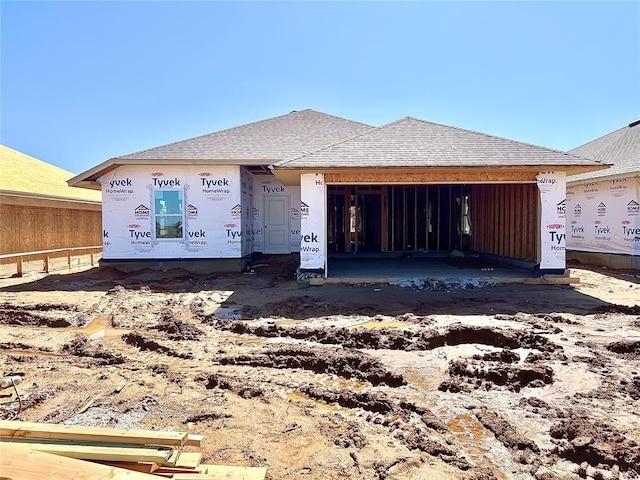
[[373, 129], [466, 130], [334, 116], [603, 136], [230, 129], [528, 144]]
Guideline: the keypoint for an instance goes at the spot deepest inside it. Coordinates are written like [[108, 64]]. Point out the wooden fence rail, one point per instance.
[[47, 255]]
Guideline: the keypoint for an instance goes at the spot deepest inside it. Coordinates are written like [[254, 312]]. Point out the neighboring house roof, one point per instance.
[[411, 143], [254, 144], [621, 148], [23, 175]]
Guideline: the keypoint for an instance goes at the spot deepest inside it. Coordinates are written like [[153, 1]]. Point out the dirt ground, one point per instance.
[[339, 382]]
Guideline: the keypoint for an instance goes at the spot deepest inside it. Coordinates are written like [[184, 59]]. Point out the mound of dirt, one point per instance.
[[23, 315], [390, 338], [485, 374], [177, 329], [81, 347], [142, 342], [345, 362], [583, 439]]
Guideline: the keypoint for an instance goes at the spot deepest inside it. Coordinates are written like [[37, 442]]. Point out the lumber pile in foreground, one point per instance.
[[34, 451]]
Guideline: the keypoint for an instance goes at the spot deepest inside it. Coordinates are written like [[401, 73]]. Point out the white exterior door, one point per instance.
[[276, 228]]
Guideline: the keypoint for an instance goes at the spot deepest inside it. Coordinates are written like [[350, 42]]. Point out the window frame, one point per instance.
[[178, 216]]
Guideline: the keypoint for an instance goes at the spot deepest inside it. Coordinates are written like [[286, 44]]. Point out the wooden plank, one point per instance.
[[16, 429], [518, 222], [183, 459], [433, 175], [194, 440], [96, 451], [502, 223], [174, 470], [54, 250], [224, 472], [496, 219], [18, 463], [135, 466], [511, 227]]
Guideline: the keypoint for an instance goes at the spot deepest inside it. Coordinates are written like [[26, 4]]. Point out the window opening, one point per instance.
[[169, 214]]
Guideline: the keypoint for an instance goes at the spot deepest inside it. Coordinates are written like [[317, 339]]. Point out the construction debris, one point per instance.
[[32, 451], [9, 381]]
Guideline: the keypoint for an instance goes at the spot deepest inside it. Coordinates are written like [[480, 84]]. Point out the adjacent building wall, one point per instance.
[[29, 228], [604, 217]]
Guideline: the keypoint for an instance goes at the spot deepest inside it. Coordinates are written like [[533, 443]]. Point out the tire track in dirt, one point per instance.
[[39, 315], [347, 363], [416, 426], [391, 339]]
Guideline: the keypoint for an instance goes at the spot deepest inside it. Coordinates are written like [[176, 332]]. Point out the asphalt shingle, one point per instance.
[[259, 143], [411, 142], [620, 147]]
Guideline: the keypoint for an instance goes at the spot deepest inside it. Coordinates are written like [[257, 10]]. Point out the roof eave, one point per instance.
[[603, 178], [568, 168], [89, 178], [44, 196], [290, 176]]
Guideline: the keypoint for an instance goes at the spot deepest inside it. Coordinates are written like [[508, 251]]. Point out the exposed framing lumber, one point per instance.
[[135, 466], [223, 472], [194, 440], [18, 463], [466, 175], [183, 459], [32, 430], [113, 453]]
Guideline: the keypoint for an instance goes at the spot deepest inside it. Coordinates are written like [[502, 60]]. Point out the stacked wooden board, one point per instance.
[[34, 451]]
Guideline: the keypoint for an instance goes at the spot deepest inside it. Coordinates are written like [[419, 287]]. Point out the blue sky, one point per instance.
[[82, 82]]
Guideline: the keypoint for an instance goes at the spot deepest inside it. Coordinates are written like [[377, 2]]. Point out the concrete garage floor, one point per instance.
[[421, 269]]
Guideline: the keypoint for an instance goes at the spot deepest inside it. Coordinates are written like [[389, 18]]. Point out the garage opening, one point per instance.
[[398, 218]]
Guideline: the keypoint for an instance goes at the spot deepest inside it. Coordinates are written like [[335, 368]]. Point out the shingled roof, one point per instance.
[[260, 143], [411, 142], [621, 148]]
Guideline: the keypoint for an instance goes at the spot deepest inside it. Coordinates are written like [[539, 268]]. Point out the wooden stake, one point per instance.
[[19, 266]]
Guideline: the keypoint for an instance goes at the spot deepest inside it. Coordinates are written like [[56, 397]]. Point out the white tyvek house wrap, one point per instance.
[[211, 207], [267, 185], [552, 188], [312, 221], [604, 217]]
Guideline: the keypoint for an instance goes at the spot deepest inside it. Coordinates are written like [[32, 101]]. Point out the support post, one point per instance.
[[552, 198]]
